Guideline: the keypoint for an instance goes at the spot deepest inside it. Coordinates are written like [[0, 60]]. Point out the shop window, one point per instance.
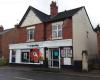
[[69, 52], [66, 52], [31, 56], [25, 56], [63, 53], [56, 31], [35, 55]]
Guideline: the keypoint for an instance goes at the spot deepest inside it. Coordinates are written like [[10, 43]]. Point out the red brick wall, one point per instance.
[[98, 38], [9, 37], [13, 36], [66, 30], [22, 35], [53, 9], [0, 47], [38, 36], [48, 31], [39, 32]]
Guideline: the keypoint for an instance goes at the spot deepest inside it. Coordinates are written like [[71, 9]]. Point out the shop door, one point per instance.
[[55, 58], [13, 60]]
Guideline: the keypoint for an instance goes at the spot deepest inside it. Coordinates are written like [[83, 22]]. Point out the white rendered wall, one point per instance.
[[82, 40], [31, 19]]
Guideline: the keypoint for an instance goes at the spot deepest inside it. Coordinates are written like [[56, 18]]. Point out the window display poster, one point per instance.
[[56, 53], [63, 53], [35, 55], [68, 52], [47, 53], [67, 61]]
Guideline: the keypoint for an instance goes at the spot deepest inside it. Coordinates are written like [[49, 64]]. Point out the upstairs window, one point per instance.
[[57, 31], [30, 33]]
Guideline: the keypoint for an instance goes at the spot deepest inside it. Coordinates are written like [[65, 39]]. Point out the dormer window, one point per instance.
[[30, 33], [57, 31]]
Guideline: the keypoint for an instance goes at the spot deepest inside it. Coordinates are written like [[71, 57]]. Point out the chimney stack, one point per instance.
[[17, 26], [53, 9], [1, 28]]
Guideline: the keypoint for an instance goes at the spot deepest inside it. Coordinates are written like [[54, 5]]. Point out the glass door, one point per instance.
[[13, 60], [55, 58]]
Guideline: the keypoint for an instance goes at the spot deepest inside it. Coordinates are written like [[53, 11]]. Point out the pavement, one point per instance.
[[92, 73]]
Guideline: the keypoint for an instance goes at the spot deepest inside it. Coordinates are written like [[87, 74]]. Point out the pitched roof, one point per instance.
[[65, 14], [97, 29], [5, 31], [42, 16], [45, 18]]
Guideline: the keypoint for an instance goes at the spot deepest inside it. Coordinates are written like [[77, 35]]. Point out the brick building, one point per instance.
[[97, 29], [61, 39], [7, 37]]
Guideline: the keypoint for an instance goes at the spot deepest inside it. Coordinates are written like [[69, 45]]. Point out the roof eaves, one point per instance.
[[89, 19], [5, 31]]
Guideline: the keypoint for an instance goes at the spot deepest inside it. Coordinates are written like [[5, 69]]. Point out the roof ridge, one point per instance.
[[45, 17], [37, 10], [65, 14], [74, 8]]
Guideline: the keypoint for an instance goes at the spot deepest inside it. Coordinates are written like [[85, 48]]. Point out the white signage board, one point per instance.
[[67, 61]]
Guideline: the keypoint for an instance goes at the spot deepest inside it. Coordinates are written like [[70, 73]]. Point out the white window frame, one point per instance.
[[57, 24], [25, 55], [28, 33]]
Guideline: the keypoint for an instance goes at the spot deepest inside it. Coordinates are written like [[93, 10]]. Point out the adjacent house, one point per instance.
[[8, 36], [97, 29], [61, 39]]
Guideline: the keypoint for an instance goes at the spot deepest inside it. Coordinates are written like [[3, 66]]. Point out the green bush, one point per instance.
[[41, 58], [3, 61]]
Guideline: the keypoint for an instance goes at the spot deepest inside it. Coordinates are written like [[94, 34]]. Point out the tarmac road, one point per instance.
[[25, 73]]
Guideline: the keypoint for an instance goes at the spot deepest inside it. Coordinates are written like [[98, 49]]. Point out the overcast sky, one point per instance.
[[11, 11]]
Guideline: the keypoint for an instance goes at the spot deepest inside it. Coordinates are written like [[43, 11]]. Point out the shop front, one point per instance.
[[31, 56], [26, 54], [56, 53], [58, 57]]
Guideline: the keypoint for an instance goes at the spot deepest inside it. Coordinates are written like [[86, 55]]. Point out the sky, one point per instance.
[[12, 11]]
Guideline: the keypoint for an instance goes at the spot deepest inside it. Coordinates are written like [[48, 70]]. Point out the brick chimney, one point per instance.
[[53, 9], [1, 28], [17, 26]]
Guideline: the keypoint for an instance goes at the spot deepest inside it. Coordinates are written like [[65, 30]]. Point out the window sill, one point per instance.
[[29, 63], [30, 40], [57, 38]]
